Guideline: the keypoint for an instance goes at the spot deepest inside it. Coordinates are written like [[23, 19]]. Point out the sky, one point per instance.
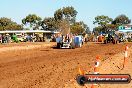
[[87, 9]]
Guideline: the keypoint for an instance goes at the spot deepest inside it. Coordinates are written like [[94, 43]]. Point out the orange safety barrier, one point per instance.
[[81, 72], [96, 69], [125, 56]]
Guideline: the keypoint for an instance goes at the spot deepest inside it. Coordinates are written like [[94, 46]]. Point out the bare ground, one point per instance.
[[39, 65]]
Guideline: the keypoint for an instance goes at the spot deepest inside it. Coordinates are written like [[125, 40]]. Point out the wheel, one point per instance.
[[58, 45], [72, 46]]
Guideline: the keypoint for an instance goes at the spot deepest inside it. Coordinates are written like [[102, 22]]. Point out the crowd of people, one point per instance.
[[10, 38], [5, 38]]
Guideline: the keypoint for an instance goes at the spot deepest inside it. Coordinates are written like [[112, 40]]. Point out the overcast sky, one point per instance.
[[87, 9]]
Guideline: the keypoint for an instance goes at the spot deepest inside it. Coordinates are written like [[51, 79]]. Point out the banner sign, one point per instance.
[[104, 79], [127, 28]]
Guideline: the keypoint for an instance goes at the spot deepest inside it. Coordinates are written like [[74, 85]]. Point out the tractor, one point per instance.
[[69, 42], [111, 39], [65, 42]]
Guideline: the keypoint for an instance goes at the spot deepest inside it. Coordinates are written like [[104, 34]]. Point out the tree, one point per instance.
[[121, 19], [58, 15], [77, 27], [111, 26], [87, 30], [8, 24], [98, 29], [64, 18], [67, 13], [102, 21], [32, 20], [49, 23], [64, 27]]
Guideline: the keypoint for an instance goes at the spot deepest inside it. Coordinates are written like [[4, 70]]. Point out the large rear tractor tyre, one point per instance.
[[58, 45]]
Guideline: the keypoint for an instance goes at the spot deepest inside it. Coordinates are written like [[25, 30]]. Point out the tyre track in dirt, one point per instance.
[[48, 67]]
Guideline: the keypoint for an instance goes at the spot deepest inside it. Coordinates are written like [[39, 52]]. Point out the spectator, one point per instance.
[[3, 39], [0, 38]]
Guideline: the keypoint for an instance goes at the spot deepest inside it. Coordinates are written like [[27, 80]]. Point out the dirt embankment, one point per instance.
[[45, 67]]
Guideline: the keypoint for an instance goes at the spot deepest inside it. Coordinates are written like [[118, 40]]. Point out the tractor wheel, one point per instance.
[[72, 46], [58, 45]]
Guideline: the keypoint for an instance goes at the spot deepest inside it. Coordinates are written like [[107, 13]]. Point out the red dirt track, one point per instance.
[[46, 67]]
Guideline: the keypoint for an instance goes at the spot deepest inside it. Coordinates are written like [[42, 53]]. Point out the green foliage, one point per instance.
[[106, 24], [98, 29], [58, 15], [121, 19], [68, 13], [102, 20], [111, 26], [87, 30], [77, 27], [8, 24], [32, 19], [64, 18], [49, 23], [107, 28]]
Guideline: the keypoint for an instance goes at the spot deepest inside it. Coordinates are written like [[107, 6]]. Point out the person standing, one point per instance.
[[0, 38]]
